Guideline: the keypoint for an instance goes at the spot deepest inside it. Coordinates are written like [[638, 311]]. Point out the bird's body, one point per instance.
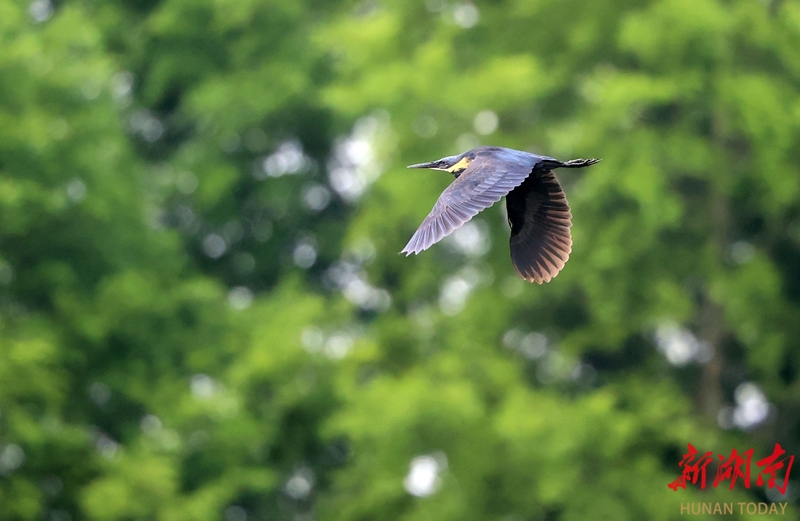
[[538, 212]]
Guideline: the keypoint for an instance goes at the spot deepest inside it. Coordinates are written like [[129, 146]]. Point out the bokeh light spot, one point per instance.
[[312, 339], [423, 478], [533, 345], [144, 123], [453, 296], [300, 484], [425, 126], [99, 393], [240, 297], [742, 252], [122, 85], [76, 190], [214, 246], [11, 458], [6, 273], [680, 346], [486, 122], [40, 10], [471, 239], [235, 513], [316, 197], [287, 159], [354, 165], [752, 407], [203, 386], [106, 446], [186, 182], [150, 424], [338, 345], [304, 255], [466, 15]]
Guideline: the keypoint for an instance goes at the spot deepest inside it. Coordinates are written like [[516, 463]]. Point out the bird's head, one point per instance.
[[453, 164]]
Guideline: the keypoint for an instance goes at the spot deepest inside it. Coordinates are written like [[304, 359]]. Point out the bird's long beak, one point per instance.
[[432, 164]]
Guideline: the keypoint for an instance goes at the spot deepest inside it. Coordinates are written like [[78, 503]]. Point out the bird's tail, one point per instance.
[[572, 163]]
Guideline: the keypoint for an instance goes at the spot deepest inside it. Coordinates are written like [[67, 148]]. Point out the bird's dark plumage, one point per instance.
[[537, 208]]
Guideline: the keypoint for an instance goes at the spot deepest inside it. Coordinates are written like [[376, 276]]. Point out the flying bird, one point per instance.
[[538, 212]]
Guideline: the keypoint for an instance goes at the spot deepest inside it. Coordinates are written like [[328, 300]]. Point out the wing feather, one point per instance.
[[540, 221], [472, 192]]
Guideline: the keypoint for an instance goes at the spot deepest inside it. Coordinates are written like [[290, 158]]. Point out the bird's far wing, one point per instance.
[[472, 192], [540, 221]]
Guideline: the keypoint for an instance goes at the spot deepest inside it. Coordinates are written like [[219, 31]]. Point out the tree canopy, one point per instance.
[[203, 314]]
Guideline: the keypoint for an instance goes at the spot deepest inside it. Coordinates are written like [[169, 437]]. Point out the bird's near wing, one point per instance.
[[540, 220], [472, 192]]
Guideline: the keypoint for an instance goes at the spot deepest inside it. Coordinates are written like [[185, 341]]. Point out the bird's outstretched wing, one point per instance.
[[472, 192], [540, 221]]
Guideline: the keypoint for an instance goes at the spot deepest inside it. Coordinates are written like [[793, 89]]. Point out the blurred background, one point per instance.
[[204, 316]]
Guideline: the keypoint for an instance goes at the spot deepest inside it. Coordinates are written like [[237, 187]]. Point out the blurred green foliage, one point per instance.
[[203, 314]]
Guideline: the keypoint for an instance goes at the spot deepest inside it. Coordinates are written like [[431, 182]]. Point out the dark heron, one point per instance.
[[538, 212]]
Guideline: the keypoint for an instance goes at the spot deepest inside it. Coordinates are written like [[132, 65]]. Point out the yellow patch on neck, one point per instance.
[[462, 164]]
